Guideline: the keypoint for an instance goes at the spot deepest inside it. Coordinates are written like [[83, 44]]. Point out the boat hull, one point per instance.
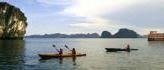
[[118, 49], [47, 56]]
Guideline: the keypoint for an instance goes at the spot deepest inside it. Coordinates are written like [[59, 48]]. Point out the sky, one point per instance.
[[90, 16]]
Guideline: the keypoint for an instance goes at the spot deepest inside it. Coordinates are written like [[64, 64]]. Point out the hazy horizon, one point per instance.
[[91, 16]]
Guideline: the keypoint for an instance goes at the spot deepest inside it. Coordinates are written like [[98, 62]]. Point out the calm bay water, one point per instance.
[[23, 55]]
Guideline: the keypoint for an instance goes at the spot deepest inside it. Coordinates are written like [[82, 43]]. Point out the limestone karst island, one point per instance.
[[13, 22]]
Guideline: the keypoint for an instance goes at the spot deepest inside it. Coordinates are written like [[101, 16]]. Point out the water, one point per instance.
[[23, 55]]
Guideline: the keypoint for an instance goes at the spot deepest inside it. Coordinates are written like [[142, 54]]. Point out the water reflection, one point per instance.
[[156, 43], [73, 60], [62, 60], [11, 54]]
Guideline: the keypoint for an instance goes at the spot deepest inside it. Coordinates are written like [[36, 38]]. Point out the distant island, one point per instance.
[[106, 34], [122, 33], [58, 35], [126, 33]]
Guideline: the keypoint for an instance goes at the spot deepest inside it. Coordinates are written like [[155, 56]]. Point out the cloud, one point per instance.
[[54, 2], [94, 15], [146, 16], [89, 22], [98, 7], [121, 14], [92, 10]]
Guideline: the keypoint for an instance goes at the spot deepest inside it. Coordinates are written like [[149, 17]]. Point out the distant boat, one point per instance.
[[118, 49], [154, 36]]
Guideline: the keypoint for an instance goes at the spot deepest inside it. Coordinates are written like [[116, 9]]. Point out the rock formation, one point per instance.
[[106, 34], [12, 22], [126, 33]]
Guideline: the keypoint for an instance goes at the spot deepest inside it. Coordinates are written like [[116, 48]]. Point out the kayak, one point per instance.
[[52, 55], [118, 49]]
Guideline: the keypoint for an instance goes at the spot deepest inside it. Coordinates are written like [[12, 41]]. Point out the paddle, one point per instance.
[[67, 47], [55, 48]]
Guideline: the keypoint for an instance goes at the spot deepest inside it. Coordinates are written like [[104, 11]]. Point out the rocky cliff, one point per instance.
[[126, 33], [106, 34], [12, 22], [122, 33]]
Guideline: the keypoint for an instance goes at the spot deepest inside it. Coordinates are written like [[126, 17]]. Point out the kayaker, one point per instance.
[[60, 52], [73, 51], [128, 47]]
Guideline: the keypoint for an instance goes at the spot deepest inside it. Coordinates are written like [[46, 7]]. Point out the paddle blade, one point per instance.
[[66, 46], [54, 45]]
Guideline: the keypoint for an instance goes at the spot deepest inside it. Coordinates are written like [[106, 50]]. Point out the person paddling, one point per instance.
[[73, 51], [128, 47], [60, 52]]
